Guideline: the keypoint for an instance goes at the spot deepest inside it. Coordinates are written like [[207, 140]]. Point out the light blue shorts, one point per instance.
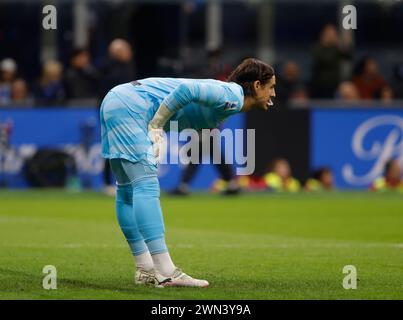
[[124, 132]]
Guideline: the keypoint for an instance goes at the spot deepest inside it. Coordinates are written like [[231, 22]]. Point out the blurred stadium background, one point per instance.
[[337, 124], [339, 92]]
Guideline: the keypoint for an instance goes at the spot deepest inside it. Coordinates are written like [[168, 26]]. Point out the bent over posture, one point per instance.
[[133, 117]]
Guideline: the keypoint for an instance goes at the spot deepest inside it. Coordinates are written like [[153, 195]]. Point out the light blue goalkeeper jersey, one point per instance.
[[128, 108]]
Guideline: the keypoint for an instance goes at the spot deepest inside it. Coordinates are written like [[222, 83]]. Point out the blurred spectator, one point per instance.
[[216, 68], [328, 55], [386, 94], [321, 180], [51, 88], [290, 87], [369, 82], [279, 177], [398, 81], [252, 183], [227, 183], [81, 79], [391, 180], [8, 71], [347, 91], [20, 94], [118, 67]]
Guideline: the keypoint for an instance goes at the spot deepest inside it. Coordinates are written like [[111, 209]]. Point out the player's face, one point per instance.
[[265, 93]]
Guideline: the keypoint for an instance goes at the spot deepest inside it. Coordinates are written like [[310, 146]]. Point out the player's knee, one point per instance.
[[146, 187]]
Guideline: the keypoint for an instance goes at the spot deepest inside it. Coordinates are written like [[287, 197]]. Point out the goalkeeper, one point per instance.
[[133, 117]]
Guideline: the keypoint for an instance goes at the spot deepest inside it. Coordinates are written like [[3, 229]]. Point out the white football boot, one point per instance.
[[145, 277], [179, 279]]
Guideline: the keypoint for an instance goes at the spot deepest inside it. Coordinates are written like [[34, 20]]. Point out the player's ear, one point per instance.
[[256, 84]]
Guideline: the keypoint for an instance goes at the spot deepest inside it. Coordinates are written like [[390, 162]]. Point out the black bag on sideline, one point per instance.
[[49, 168]]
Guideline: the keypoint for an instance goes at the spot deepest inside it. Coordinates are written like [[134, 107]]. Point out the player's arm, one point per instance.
[[185, 93]]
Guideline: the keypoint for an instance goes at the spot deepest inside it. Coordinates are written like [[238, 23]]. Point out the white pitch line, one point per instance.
[[219, 246], [296, 245]]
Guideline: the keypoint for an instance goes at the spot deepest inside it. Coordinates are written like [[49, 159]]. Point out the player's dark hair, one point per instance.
[[249, 71]]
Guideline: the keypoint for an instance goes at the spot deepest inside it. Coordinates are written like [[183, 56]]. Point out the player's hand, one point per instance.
[[156, 136]]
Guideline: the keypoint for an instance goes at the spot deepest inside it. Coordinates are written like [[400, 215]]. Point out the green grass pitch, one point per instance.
[[263, 246]]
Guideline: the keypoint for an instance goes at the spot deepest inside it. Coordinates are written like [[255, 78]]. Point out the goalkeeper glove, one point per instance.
[[156, 136], [155, 131]]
